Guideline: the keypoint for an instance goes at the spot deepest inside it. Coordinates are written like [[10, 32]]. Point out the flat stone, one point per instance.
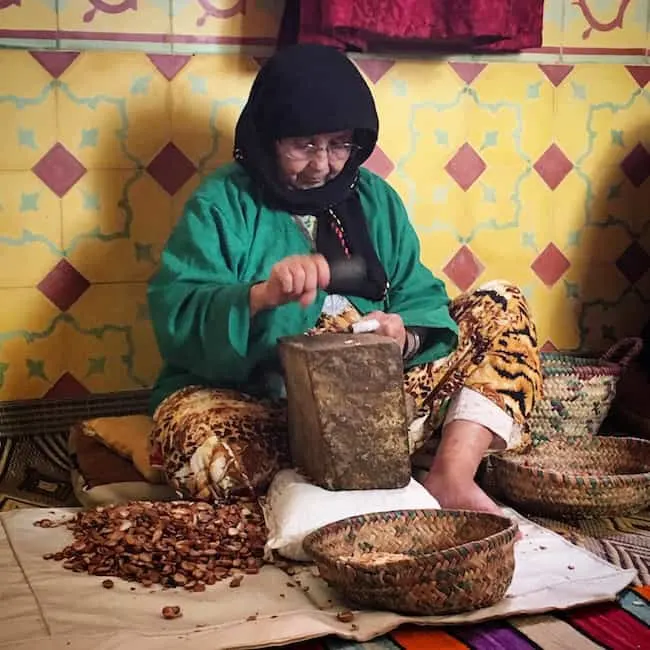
[[348, 426]]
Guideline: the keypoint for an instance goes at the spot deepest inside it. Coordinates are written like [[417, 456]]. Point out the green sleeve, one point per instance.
[[415, 293], [199, 299]]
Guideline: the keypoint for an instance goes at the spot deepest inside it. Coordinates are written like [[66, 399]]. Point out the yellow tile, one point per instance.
[[109, 120], [604, 323], [129, 16], [27, 110], [597, 216], [597, 280], [556, 317], [115, 224], [553, 20], [207, 97], [32, 15], [419, 126], [425, 83], [224, 22], [110, 345], [504, 199], [181, 197], [511, 117], [30, 229], [437, 248], [31, 344], [601, 114], [606, 24]]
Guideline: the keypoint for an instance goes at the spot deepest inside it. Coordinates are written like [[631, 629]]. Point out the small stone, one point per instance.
[[345, 617], [236, 581], [571, 567], [252, 617]]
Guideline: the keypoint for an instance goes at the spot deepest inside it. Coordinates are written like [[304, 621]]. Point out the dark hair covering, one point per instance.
[[306, 90]]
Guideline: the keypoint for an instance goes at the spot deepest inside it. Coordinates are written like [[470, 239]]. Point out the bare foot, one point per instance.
[[452, 495], [455, 495]]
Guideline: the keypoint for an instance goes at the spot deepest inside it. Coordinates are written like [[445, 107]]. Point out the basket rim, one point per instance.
[[510, 461], [498, 539]]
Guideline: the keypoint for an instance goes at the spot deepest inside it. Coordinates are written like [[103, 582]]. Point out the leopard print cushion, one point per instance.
[[218, 443]]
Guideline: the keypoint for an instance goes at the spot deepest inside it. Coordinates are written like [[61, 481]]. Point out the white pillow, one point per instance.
[[294, 508]]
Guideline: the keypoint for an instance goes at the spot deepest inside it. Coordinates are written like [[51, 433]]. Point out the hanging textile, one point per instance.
[[434, 25]]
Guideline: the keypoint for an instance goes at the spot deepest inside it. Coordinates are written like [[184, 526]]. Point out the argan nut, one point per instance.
[[108, 584], [171, 611], [345, 617], [236, 581]]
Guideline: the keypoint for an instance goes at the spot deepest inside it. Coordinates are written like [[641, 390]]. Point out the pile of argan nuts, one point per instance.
[[172, 544]]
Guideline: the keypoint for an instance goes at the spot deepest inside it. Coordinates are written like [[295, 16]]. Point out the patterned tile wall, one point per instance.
[[534, 168]]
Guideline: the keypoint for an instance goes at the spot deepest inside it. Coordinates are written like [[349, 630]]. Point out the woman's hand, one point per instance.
[[390, 325], [294, 279]]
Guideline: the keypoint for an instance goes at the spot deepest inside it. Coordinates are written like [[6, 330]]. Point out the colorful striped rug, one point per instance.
[[624, 625]]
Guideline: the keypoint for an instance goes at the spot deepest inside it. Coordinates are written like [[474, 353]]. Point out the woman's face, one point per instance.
[[306, 163]]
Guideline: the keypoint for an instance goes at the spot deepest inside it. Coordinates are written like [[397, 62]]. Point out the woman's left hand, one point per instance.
[[390, 325]]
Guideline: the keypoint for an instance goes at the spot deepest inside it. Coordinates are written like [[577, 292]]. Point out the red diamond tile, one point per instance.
[[171, 168], [375, 69], [59, 169], [634, 262], [548, 347], [56, 63], [67, 387], [556, 74], [466, 166], [63, 285], [640, 74], [553, 166], [550, 265], [169, 65], [379, 163], [464, 268], [468, 71], [636, 165]]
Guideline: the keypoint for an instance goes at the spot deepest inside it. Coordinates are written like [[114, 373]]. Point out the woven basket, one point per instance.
[[578, 391], [419, 562], [576, 478]]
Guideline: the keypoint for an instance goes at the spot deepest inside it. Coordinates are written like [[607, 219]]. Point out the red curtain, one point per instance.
[[436, 25]]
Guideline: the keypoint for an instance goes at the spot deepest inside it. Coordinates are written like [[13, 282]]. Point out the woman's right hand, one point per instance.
[[294, 279]]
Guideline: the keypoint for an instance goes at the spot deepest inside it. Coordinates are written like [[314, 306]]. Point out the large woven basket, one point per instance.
[[578, 391], [576, 478], [417, 561]]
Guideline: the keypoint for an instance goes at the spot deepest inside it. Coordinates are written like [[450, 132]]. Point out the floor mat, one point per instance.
[[34, 471], [619, 626]]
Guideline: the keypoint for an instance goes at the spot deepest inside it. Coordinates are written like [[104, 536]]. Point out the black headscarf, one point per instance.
[[306, 90]]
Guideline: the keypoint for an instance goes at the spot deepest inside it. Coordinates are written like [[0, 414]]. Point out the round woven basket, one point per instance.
[[576, 478], [419, 562], [578, 391]]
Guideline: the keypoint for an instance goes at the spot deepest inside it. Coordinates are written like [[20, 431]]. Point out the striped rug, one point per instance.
[[624, 625]]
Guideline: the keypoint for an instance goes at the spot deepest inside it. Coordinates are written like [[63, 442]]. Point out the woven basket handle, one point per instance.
[[630, 347]]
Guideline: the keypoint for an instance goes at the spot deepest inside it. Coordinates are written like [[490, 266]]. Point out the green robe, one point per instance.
[[226, 241]]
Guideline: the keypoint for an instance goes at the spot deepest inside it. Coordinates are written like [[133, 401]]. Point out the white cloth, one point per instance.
[[467, 404], [294, 508]]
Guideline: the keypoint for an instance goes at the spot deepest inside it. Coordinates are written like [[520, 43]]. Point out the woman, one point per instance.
[[250, 262]]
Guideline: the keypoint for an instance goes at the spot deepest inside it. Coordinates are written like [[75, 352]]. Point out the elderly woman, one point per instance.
[[250, 260]]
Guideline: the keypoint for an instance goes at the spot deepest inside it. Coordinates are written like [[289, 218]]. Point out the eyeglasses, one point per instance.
[[309, 151]]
